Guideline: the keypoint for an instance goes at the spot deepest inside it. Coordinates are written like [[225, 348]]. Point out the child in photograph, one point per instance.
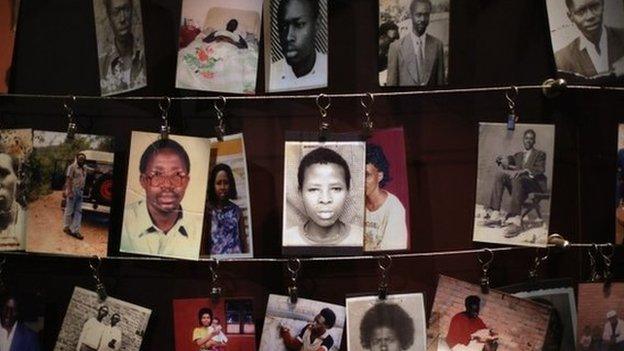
[[204, 334], [314, 336], [324, 183], [227, 227], [387, 327], [220, 337]]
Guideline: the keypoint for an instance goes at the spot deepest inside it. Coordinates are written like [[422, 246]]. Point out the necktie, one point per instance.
[[420, 60]]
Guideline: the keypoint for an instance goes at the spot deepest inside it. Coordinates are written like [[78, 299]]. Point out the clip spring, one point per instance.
[[384, 264], [219, 106], [293, 265], [367, 102], [215, 290], [512, 117], [485, 267], [533, 272], [324, 123], [95, 270], [71, 124], [164, 106]]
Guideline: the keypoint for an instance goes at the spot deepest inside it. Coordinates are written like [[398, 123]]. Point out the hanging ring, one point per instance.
[[385, 262], [485, 258], [323, 102], [511, 99], [216, 290], [367, 102], [95, 263], [164, 105], [219, 105], [294, 265], [69, 107]]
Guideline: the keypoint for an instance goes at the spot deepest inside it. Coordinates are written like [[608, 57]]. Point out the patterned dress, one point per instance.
[[225, 235]]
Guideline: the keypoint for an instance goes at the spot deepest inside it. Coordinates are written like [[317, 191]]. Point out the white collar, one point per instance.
[[602, 43], [148, 227], [416, 38]]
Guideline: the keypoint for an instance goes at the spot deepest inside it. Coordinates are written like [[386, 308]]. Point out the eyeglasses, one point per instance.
[[159, 179]]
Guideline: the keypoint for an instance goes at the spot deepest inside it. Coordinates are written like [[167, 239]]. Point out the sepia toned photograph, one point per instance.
[[413, 42], [305, 325], [15, 148], [218, 45], [218, 325], [600, 317], [323, 197], [463, 318], [22, 321], [514, 184], [8, 27], [587, 37], [619, 185], [394, 324], [559, 295], [387, 194], [228, 211], [296, 36], [165, 196], [93, 325], [70, 193], [121, 49]]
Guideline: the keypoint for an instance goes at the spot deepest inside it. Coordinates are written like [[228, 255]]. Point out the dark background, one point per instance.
[[492, 42]]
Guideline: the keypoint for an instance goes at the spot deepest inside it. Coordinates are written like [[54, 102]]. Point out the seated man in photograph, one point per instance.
[[92, 330], [111, 336], [386, 227], [417, 58], [314, 336], [386, 327], [599, 50], [613, 332], [468, 332], [11, 211], [521, 174], [158, 224], [302, 66], [229, 35], [14, 334]]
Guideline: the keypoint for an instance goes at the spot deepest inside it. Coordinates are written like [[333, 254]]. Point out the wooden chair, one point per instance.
[[533, 204]]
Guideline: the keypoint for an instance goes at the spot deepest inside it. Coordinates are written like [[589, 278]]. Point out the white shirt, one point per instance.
[[619, 331], [525, 156], [386, 227], [294, 237], [282, 77], [419, 43], [600, 61], [312, 345], [140, 235], [110, 333], [91, 334], [6, 338]]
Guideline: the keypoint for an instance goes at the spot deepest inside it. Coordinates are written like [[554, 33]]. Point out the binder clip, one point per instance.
[[512, 117]]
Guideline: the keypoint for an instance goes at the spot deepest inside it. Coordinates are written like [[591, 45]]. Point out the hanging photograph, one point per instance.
[[323, 198], [305, 325], [619, 196], [413, 42], [70, 193], [463, 318], [121, 50], [514, 184], [218, 45], [296, 37], [396, 323], [15, 149], [387, 194], [22, 321], [588, 39], [559, 295], [228, 211], [8, 27], [600, 317], [165, 196], [208, 324], [91, 324]]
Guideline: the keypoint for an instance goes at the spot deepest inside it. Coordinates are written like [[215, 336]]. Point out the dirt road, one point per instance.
[[45, 230]]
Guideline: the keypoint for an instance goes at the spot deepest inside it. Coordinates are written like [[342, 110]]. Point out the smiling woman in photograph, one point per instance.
[[227, 230]]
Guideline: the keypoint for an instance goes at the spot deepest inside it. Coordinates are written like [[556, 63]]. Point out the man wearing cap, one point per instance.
[[613, 334], [314, 336]]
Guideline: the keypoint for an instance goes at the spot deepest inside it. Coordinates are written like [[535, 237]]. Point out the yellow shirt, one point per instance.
[[200, 333]]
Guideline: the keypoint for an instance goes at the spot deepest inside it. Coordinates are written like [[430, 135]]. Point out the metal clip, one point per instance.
[[294, 265], [512, 117], [384, 263], [164, 106], [367, 102], [552, 88], [606, 251], [215, 291], [594, 275], [485, 267], [324, 120], [219, 106], [533, 272], [95, 263], [71, 124]]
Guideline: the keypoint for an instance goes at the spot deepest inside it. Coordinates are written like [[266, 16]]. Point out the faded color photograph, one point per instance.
[[218, 45], [413, 42], [600, 317], [121, 50], [70, 193], [21, 321], [514, 184]]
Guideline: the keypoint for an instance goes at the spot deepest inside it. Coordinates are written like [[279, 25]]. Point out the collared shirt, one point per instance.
[[600, 60], [77, 175], [6, 338], [110, 333], [140, 235], [91, 334], [113, 78], [419, 43], [305, 336], [525, 156], [609, 331], [283, 78]]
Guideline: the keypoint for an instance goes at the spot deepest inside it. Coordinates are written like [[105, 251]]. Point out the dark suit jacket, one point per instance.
[[24, 339], [402, 68], [536, 165], [572, 59]]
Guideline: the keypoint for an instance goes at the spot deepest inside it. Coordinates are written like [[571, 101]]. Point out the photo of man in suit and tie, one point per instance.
[[418, 56], [588, 37], [513, 192]]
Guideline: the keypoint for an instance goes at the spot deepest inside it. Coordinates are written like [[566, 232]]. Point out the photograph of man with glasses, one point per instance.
[[158, 224]]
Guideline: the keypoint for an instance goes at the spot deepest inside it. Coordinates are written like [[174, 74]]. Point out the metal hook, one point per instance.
[[95, 270], [384, 264], [164, 105], [215, 291], [293, 266], [593, 270], [607, 255], [537, 262], [485, 267], [323, 102], [367, 102], [512, 117], [219, 106], [71, 123]]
